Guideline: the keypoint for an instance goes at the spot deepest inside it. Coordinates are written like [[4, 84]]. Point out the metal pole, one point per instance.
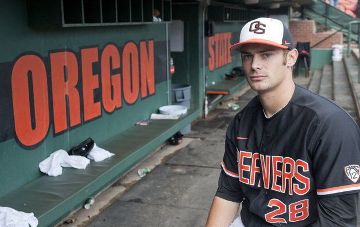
[[326, 15], [358, 70], [349, 39], [349, 42], [350, 33], [358, 34], [169, 90]]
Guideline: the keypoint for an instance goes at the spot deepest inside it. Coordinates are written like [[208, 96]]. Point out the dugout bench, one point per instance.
[[53, 198], [218, 91]]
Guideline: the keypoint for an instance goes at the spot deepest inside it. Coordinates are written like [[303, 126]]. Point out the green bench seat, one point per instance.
[[53, 198]]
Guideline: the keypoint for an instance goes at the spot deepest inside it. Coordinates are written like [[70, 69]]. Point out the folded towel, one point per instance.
[[99, 154], [13, 218], [52, 165], [164, 116]]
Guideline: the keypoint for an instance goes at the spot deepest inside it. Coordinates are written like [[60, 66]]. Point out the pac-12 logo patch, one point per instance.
[[352, 172]]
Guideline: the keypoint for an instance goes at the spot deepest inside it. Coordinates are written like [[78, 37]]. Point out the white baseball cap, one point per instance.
[[267, 31]]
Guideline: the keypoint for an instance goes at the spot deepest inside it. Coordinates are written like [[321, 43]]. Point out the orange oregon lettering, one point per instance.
[[228, 45], [26, 67], [64, 65], [110, 84], [224, 52], [222, 49], [130, 72], [219, 50], [90, 82], [211, 53], [217, 65], [147, 68]]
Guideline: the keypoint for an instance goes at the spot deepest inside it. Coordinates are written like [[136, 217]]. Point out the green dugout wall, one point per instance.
[[320, 57], [59, 66], [188, 62], [215, 68], [54, 93], [63, 84]]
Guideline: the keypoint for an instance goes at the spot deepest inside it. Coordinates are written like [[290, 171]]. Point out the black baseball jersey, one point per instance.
[[278, 167]]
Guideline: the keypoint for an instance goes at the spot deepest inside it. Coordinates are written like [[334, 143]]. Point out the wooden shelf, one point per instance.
[[232, 14], [81, 13]]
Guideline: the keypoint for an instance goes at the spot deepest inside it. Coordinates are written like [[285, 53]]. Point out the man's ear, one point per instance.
[[292, 57]]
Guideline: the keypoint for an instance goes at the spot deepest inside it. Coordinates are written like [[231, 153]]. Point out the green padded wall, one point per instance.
[[188, 63], [19, 164], [320, 57], [218, 73]]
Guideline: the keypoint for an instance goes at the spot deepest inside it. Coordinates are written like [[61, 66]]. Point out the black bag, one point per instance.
[[83, 149], [176, 139]]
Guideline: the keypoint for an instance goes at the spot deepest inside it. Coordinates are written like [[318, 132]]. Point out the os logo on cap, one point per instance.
[[257, 27]]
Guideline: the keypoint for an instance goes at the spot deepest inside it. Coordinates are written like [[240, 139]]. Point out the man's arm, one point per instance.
[[222, 213], [335, 152], [229, 194], [340, 210]]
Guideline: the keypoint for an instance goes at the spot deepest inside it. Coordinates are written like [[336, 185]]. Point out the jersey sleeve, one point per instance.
[[343, 214], [336, 156], [228, 186]]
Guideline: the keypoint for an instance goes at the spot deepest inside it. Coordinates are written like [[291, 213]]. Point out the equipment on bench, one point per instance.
[[83, 149]]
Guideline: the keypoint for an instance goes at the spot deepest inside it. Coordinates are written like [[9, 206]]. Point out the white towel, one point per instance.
[[99, 154], [164, 116], [52, 165], [13, 218]]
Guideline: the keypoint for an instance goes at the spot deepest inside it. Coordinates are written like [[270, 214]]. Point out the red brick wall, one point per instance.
[[305, 31]]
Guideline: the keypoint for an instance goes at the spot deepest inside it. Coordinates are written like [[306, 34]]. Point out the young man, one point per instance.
[[291, 156]]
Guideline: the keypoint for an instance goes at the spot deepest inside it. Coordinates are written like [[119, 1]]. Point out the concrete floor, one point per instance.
[[179, 191]]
